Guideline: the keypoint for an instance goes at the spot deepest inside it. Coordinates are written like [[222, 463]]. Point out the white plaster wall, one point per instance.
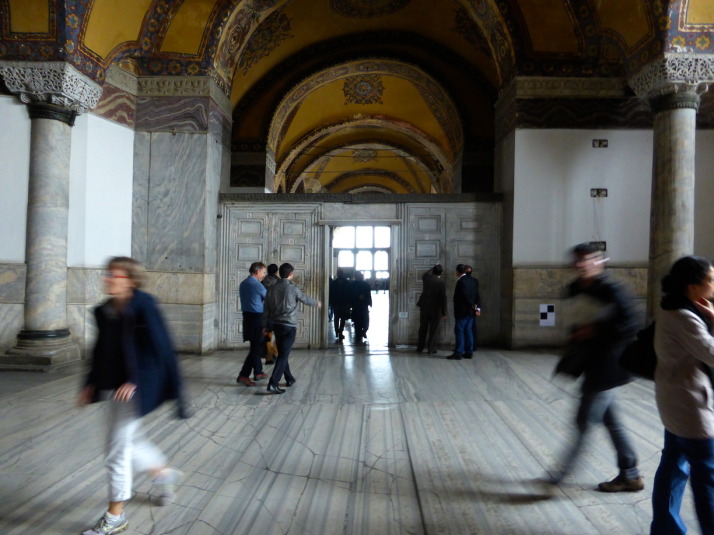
[[553, 210], [101, 177], [704, 192], [14, 178]]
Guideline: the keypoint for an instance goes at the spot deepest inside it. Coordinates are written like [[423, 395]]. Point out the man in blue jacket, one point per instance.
[[252, 293]]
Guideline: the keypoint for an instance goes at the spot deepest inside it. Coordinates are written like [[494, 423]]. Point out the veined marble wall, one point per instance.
[[12, 303], [535, 286], [181, 151]]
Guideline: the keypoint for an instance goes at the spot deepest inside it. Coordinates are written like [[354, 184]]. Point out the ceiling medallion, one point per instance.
[[364, 9], [363, 89]]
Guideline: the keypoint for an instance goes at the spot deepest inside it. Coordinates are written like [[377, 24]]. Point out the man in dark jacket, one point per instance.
[[361, 301], [432, 307], [603, 323], [280, 316], [341, 302], [465, 299]]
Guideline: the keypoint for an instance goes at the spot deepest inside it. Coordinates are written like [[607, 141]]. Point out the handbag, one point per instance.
[[639, 357], [573, 361]]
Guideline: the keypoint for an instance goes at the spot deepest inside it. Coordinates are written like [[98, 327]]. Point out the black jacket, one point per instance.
[[433, 295], [466, 296], [148, 356], [613, 329]]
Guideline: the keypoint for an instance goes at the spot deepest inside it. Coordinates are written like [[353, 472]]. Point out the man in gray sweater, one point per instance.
[[280, 316]]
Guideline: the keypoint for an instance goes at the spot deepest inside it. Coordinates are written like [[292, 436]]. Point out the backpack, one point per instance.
[[639, 357]]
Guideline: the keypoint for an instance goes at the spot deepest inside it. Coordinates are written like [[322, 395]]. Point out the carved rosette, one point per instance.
[[50, 82], [674, 73]]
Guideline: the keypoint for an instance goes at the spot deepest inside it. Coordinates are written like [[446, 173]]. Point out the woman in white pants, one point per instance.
[[134, 368]]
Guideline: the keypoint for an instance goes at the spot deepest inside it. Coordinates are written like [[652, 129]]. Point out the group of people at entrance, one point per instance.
[[134, 369], [432, 309], [269, 302], [350, 299]]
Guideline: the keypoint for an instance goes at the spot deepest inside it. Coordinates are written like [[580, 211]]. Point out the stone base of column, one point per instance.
[[41, 351]]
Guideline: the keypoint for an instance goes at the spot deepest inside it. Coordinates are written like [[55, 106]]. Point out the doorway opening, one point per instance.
[[363, 251]]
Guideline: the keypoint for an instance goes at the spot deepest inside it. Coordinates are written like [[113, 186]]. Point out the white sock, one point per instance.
[[113, 519]]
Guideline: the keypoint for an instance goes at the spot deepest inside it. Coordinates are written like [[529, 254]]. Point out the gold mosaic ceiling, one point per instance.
[[429, 107]]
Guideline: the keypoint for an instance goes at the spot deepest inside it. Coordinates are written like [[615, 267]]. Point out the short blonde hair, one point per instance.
[[133, 268]]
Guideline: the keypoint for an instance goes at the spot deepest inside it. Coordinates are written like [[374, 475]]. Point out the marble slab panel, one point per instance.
[[85, 286], [116, 105], [80, 320], [178, 288], [358, 212], [12, 283], [177, 200], [219, 124], [140, 196], [192, 327], [534, 282], [179, 114], [12, 320]]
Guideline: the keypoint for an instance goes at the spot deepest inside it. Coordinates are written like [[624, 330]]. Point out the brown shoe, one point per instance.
[[260, 376], [245, 380], [622, 484]]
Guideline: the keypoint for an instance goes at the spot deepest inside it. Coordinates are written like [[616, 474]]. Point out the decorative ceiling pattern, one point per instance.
[[271, 57]]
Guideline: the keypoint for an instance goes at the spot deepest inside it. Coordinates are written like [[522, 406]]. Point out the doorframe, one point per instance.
[[395, 226]]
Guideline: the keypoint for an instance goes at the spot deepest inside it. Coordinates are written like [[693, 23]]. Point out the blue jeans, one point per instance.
[[682, 457], [284, 340], [464, 333], [600, 407]]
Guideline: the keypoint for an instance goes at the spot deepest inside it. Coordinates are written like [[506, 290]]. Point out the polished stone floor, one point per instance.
[[369, 441]]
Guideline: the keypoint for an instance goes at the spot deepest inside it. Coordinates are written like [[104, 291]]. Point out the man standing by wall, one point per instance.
[[281, 317], [465, 296], [432, 307], [252, 293], [361, 301], [341, 302], [603, 326], [477, 310]]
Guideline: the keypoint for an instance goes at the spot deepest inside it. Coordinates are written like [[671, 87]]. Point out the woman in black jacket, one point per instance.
[[134, 367]]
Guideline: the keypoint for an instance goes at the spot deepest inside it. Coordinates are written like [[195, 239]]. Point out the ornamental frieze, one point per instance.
[[673, 73]]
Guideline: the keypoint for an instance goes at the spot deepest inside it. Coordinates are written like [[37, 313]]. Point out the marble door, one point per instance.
[[270, 233]]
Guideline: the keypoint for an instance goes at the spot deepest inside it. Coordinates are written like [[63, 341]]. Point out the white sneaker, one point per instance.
[[103, 527], [166, 483]]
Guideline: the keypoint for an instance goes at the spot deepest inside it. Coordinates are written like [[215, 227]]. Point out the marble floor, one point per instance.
[[369, 441]]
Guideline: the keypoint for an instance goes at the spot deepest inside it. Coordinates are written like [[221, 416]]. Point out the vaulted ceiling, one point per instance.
[[360, 95]]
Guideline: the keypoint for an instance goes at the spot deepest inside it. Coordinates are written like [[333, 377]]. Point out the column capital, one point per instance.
[[50, 82], [674, 73]]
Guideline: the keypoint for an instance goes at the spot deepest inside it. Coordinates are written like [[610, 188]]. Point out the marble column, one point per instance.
[[55, 93], [672, 84], [672, 208]]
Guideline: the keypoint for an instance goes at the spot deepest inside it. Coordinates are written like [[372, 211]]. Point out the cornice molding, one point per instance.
[[183, 86], [674, 73], [557, 87], [122, 79], [52, 82]]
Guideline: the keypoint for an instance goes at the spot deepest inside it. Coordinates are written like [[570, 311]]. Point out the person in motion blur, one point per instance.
[[604, 324], [252, 293], [134, 369]]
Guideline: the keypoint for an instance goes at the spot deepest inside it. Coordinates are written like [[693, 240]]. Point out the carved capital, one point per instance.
[[675, 101], [675, 73], [51, 82]]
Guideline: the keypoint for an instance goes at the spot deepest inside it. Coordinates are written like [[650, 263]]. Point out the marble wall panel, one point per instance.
[[12, 283], [551, 281], [117, 105], [359, 212], [85, 286], [175, 114], [80, 320], [216, 155], [209, 341], [11, 322], [185, 324], [219, 124], [179, 288], [140, 196], [177, 200]]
